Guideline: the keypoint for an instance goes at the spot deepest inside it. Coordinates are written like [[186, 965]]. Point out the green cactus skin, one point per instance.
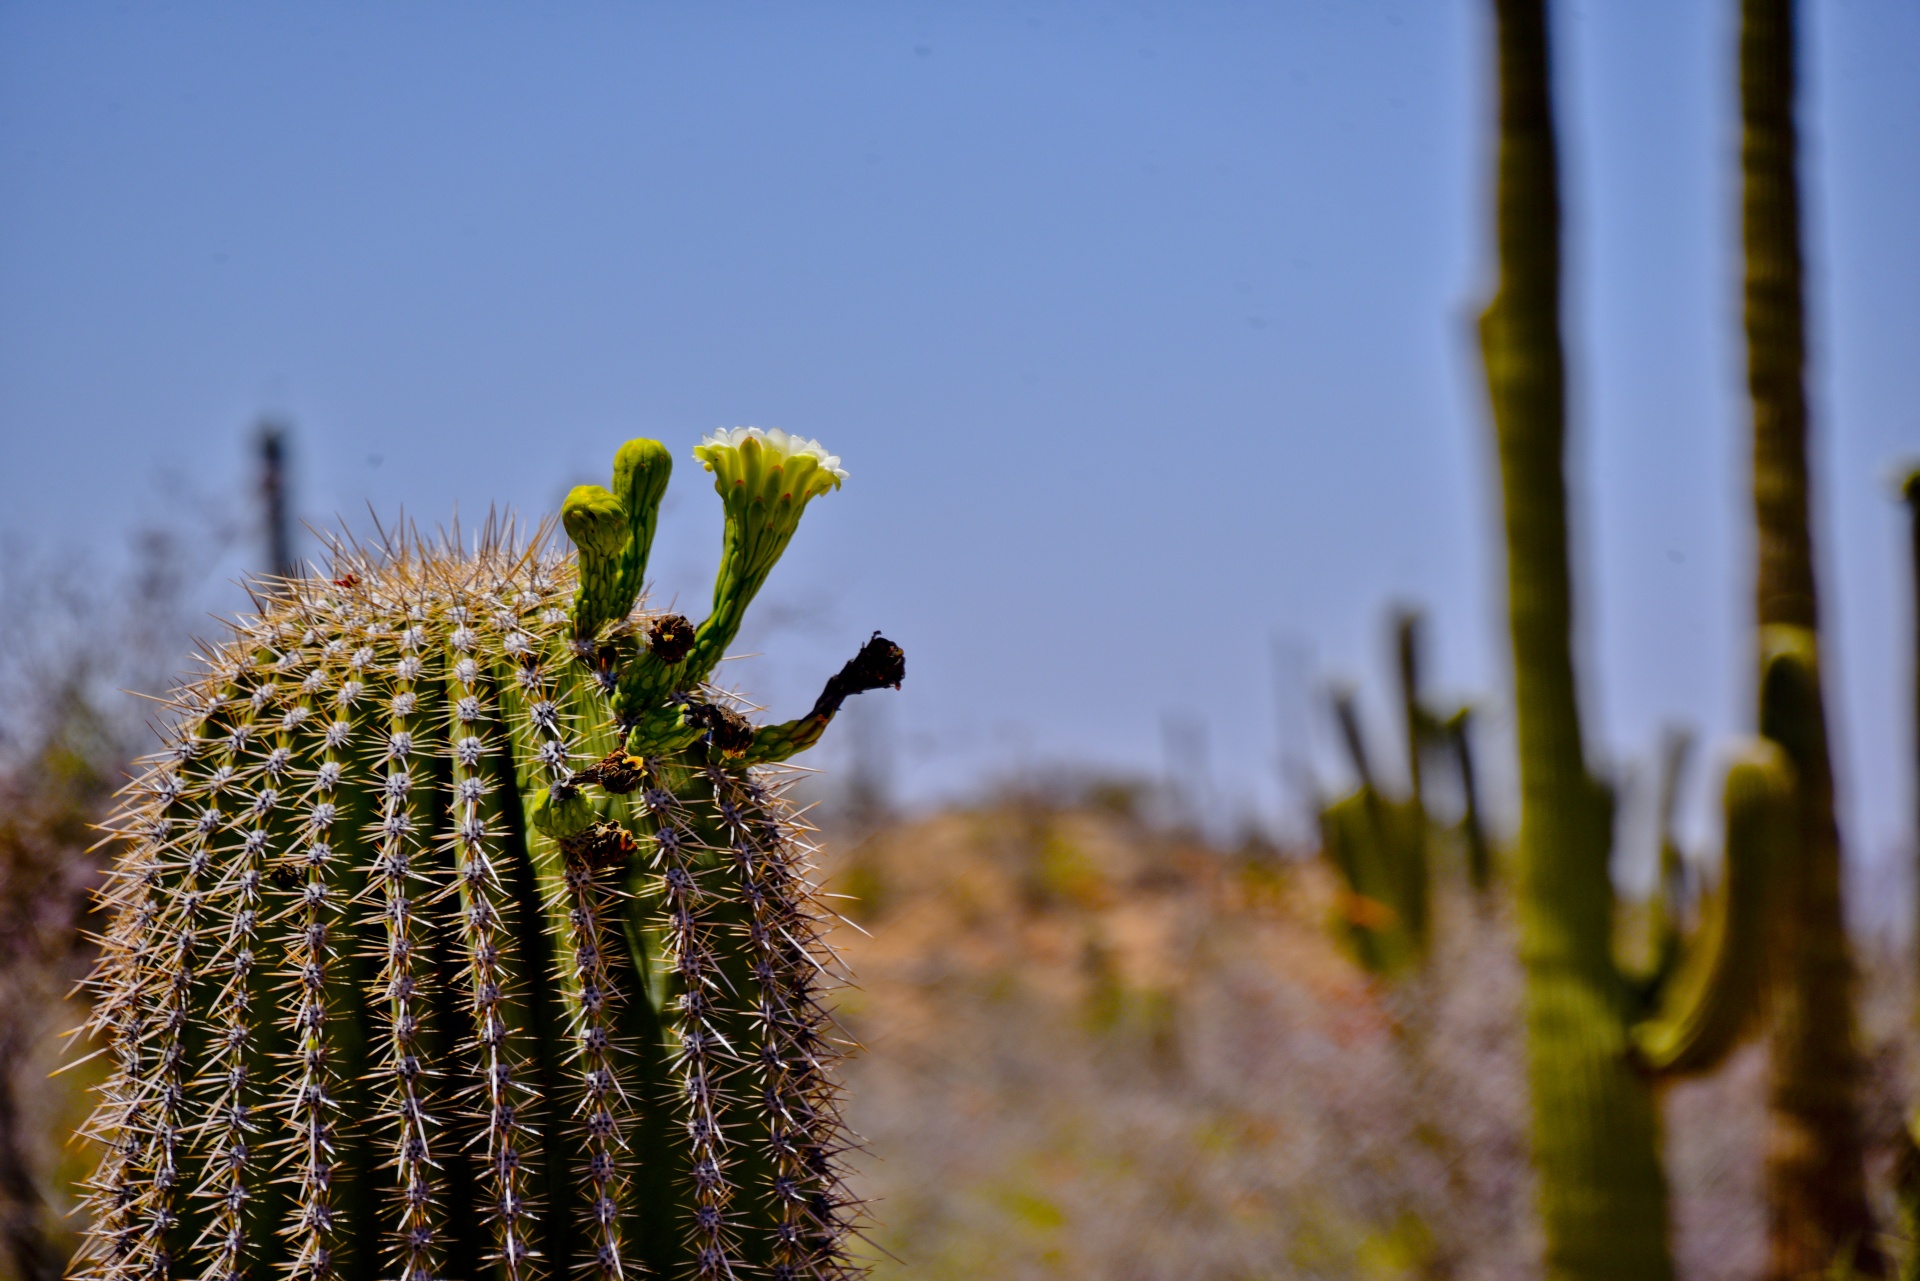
[[1816, 1192], [416, 972], [1597, 1042]]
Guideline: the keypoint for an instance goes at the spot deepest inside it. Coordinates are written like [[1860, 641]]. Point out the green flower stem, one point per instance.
[[880, 664], [596, 521], [641, 470]]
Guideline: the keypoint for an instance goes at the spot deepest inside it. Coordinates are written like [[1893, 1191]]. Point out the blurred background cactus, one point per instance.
[[454, 933], [1383, 845], [1598, 1037], [1816, 1184]]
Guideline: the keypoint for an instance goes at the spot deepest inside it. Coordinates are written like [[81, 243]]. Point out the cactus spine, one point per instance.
[[1596, 1040], [1817, 1206], [458, 934]]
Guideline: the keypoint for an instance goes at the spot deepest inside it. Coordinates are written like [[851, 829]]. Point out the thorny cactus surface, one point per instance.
[[460, 932]]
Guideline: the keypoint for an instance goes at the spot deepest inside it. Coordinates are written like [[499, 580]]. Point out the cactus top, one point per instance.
[[460, 931]]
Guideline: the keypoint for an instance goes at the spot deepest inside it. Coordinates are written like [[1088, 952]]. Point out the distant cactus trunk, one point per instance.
[[1602, 1191], [1817, 1205], [1910, 493], [1906, 1170], [275, 502]]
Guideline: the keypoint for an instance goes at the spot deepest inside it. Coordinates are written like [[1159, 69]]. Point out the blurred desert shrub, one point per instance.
[[76, 642], [1093, 1049]]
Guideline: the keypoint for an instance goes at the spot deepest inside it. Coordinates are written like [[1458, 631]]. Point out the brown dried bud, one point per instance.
[[600, 846], [617, 773], [669, 637], [728, 732]]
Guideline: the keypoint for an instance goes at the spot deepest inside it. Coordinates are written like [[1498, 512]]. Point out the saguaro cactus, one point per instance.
[[1597, 1039], [1816, 1189], [1380, 844], [458, 933]]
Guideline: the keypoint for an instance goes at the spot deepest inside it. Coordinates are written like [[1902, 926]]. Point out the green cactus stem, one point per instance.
[[1473, 823], [1816, 1191], [416, 972], [1596, 1040]]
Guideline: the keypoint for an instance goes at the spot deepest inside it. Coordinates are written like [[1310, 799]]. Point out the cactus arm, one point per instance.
[[1378, 845], [1365, 918], [641, 470], [880, 664], [1672, 891], [1473, 824], [1714, 993], [1602, 1192], [1413, 708]]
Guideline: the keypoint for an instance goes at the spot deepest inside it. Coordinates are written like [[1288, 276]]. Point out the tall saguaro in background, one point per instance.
[[1816, 1193], [1598, 1039], [1604, 1204]]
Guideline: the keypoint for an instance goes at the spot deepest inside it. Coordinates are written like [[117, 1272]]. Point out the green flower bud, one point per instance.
[[640, 473], [596, 521], [563, 815], [661, 731]]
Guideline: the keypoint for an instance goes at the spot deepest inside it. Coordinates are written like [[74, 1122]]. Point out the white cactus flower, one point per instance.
[[750, 463]]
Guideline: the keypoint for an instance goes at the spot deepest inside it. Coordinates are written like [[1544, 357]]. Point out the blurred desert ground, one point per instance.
[[1094, 1047]]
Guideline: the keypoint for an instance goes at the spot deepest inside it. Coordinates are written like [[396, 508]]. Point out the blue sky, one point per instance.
[[1143, 329]]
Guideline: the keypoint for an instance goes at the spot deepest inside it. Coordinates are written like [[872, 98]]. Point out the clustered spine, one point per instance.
[[482, 918], [798, 1098], [310, 953], [699, 1044]]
